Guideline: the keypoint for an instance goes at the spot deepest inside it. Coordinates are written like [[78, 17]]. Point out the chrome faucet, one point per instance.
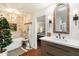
[[59, 36]]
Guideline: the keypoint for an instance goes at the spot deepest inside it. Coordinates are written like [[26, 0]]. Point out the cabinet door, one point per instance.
[[59, 50]]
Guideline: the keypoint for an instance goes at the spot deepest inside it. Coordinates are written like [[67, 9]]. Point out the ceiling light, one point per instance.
[[10, 10], [17, 12]]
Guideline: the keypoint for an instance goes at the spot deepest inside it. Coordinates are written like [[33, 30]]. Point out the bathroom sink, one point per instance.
[[67, 41], [62, 40]]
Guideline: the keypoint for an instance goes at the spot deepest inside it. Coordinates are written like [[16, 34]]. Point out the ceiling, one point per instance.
[[24, 7]]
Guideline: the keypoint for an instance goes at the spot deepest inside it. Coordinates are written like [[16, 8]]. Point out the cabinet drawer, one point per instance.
[[56, 49], [48, 44], [45, 52], [69, 49]]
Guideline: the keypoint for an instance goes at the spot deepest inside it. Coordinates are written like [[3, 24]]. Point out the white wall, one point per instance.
[[74, 30], [33, 40], [47, 12]]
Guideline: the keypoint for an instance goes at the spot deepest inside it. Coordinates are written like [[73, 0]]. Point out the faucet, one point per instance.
[[59, 36]]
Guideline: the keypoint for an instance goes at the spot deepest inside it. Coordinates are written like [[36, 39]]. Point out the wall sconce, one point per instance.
[[49, 31], [50, 21], [75, 18]]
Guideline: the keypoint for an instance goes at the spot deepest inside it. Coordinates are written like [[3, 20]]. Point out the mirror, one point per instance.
[[61, 18], [41, 25]]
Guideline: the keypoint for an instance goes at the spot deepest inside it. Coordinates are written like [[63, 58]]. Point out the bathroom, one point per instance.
[[70, 34], [51, 29]]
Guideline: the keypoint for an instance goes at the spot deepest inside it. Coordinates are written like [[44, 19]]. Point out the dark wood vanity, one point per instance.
[[53, 49]]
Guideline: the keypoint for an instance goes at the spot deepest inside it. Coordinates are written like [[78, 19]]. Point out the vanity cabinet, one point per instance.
[[53, 49]]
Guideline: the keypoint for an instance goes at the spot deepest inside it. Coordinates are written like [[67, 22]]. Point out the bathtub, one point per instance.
[[17, 42]]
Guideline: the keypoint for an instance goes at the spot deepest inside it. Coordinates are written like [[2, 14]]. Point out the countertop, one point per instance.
[[74, 43]]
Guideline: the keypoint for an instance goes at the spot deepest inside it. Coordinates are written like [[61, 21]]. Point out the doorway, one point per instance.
[[40, 29]]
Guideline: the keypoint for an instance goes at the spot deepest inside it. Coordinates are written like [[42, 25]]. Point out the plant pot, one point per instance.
[[3, 53], [2, 50]]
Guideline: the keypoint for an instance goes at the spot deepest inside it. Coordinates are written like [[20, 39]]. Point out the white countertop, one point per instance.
[[74, 43]]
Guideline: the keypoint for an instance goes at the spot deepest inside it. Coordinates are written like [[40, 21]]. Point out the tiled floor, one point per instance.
[[16, 52], [33, 52]]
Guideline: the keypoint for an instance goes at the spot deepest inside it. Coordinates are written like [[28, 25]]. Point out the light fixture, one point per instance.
[[10, 10], [49, 29], [49, 18], [50, 21], [75, 13], [75, 18], [17, 12]]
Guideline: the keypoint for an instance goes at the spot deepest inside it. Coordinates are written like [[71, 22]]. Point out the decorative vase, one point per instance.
[[49, 34], [4, 53]]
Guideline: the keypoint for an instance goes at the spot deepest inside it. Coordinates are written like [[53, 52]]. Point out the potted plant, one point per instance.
[[5, 35]]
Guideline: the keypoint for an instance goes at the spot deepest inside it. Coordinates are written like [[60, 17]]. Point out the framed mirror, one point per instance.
[[61, 18]]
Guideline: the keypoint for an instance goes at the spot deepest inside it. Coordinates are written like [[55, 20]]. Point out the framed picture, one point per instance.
[[13, 26]]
